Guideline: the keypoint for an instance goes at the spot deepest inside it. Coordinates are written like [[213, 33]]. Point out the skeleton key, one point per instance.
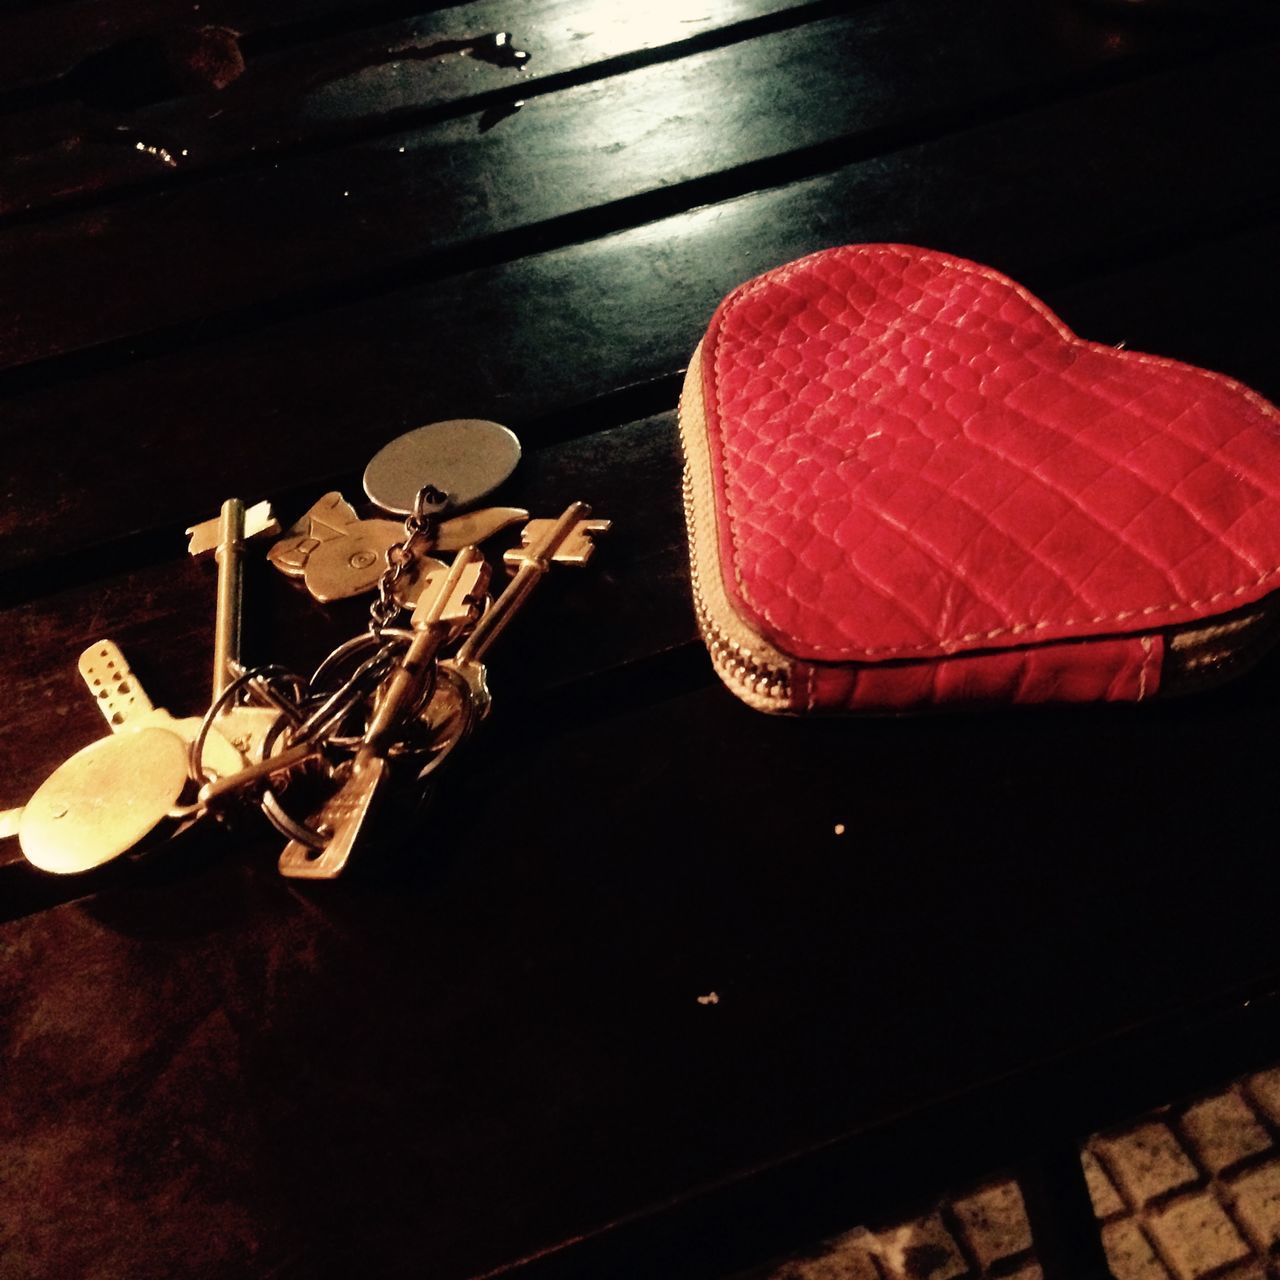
[[564, 540], [449, 598], [245, 727], [225, 537]]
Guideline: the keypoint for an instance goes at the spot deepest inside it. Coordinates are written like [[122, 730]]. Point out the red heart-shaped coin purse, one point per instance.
[[908, 483]]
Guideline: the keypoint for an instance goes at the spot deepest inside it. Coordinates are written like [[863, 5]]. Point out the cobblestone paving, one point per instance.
[[1185, 1193]]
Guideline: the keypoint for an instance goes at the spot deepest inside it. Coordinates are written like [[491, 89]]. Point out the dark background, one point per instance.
[[244, 245]]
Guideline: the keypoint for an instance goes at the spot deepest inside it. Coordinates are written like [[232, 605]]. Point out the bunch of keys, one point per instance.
[[413, 695]]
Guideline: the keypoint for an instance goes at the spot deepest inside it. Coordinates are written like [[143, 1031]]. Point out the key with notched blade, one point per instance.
[[450, 598]]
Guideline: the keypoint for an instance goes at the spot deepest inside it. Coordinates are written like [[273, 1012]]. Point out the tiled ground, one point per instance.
[[1186, 1193]]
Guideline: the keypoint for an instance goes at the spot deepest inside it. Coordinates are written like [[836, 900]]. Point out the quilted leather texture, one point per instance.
[[912, 457]]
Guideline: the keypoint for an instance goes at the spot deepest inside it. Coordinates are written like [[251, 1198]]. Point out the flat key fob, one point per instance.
[[467, 458]]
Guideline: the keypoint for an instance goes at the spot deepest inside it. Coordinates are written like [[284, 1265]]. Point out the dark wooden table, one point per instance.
[[238, 260]]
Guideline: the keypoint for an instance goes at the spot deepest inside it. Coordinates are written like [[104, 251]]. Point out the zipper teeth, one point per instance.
[[758, 683]]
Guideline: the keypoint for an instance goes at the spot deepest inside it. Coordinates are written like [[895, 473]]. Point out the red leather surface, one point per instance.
[[1085, 671], [913, 457]]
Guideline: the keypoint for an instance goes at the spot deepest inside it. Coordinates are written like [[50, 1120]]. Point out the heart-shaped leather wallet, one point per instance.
[[908, 483]]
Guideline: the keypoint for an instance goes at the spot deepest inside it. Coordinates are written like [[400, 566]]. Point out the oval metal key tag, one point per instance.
[[103, 800], [468, 458]]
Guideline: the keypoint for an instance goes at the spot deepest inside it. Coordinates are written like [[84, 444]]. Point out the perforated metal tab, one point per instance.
[[119, 696]]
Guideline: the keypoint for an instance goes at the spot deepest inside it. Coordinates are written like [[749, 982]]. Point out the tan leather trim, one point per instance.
[[752, 668]]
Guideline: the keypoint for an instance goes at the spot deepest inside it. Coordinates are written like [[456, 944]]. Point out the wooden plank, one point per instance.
[[721, 118], [1063, 190], [323, 91], [629, 616], [631, 607], [362, 1071], [47, 42]]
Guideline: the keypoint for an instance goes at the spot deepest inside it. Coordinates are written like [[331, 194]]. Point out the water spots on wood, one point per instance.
[[163, 154], [498, 49], [494, 48], [166, 152]]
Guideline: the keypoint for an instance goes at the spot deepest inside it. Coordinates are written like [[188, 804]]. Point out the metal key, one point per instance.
[[245, 727], [449, 599], [567, 539], [124, 703], [225, 537], [277, 766]]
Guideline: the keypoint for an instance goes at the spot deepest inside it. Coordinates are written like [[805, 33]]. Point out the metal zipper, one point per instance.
[[753, 680], [752, 669]]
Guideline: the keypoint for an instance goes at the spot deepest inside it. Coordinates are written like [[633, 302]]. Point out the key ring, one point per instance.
[[195, 759]]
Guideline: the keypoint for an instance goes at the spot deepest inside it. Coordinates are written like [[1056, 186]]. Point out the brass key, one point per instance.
[[448, 600], [225, 536], [245, 727], [127, 708], [277, 766], [568, 539]]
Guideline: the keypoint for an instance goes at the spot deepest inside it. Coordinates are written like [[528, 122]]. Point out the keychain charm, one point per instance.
[[467, 457], [333, 551], [338, 555]]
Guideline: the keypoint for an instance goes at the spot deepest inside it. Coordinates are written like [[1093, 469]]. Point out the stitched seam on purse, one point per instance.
[[781, 274]]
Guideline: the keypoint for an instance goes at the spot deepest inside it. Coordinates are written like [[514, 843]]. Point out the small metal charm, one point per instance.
[[333, 551], [103, 801], [338, 555], [466, 457]]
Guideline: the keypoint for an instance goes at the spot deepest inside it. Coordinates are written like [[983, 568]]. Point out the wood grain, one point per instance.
[[47, 42], [316, 93], [412, 202], [629, 615], [484, 1052], [1046, 196]]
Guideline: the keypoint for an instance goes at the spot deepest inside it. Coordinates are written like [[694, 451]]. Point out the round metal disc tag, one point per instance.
[[468, 458], [103, 800]]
